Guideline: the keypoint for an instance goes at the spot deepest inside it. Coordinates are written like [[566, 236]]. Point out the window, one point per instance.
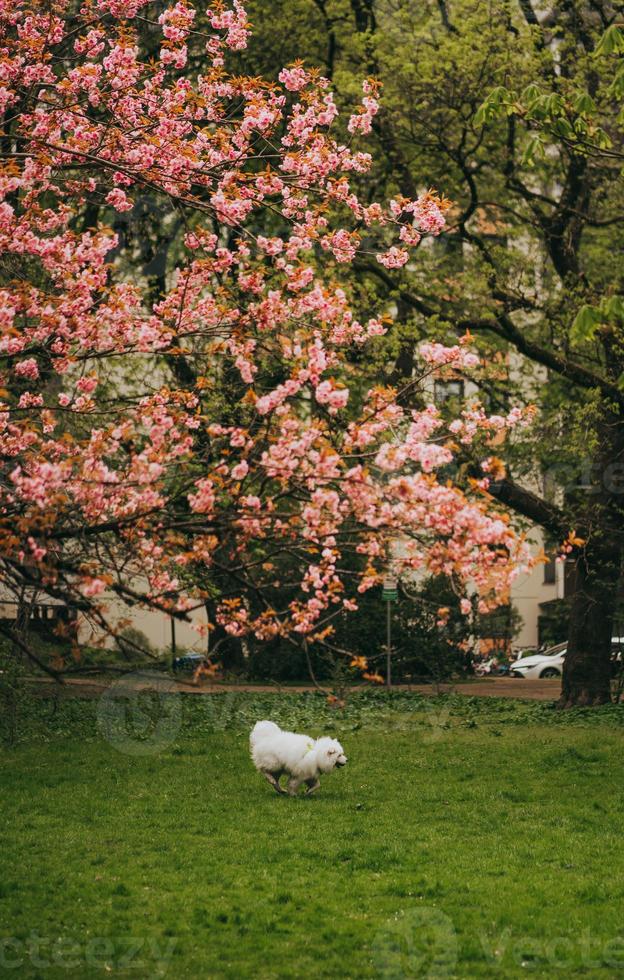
[[550, 572], [569, 578]]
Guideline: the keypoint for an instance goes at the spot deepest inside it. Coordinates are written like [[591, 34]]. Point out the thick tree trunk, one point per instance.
[[587, 666]]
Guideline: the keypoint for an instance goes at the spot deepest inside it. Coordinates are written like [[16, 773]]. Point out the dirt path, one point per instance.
[[495, 687]]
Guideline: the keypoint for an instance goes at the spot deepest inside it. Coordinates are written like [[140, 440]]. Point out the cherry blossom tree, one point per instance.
[[218, 441]]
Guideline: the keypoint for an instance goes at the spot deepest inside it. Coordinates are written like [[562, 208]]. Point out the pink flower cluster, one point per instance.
[[220, 432], [394, 258], [27, 369], [295, 78], [457, 356], [362, 121], [334, 398]]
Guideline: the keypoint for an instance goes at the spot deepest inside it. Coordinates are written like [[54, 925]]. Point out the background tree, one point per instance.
[[530, 261]]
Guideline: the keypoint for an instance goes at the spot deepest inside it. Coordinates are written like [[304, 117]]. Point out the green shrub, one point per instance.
[[14, 693]]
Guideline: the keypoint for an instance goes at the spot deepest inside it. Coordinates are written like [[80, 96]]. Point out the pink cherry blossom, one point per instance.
[[27, 369], [294, 79], [209, 442], [394, 258], [240, 471], [119, 200]]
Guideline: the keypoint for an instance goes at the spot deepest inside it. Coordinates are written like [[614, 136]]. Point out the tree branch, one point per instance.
[[13, 637], [531, 506], [503, 326]]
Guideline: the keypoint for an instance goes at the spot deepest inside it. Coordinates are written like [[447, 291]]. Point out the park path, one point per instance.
[[494, 687]]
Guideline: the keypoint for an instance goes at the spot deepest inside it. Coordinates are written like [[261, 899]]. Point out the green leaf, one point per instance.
[[530, 93], [563, 128], [482, 115], [614, 307], [584, 104], [580, 126], [603, 140], [534, 148], [554, 104], [497, 101], [611, 42], [617, 85], [586, 323], [499, 95]]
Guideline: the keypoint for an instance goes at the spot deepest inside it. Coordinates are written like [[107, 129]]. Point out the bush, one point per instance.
[[421, 651], [284, 662], [13, 692], [133, 642]]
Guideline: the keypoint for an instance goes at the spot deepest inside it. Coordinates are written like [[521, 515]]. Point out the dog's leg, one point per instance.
[[293, 785], [273, 779], [312, 784]]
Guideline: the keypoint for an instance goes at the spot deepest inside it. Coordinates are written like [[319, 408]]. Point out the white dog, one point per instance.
[[275, 752]]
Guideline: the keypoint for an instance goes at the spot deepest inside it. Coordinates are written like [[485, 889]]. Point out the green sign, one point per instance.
[[390, 595]]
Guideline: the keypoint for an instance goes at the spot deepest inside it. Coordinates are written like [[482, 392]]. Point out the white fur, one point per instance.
[[275, 752]]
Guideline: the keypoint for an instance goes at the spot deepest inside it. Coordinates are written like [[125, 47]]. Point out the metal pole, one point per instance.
[[388, 644], [173, 638]]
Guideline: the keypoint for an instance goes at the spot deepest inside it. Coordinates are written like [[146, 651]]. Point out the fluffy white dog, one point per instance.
[[275, 752]]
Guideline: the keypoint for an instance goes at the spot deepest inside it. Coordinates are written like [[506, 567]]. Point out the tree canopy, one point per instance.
[[201, 423]]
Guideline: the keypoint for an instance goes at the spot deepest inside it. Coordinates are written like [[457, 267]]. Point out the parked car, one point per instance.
[[189, 661], [549, 663]]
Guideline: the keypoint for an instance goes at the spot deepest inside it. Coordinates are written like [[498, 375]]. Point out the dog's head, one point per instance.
[[329, 754]]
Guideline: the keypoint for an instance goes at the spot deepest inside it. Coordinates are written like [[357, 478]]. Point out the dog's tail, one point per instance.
[[262, 729]]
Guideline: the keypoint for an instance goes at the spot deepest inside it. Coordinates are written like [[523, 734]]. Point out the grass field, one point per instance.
[[465, 838]]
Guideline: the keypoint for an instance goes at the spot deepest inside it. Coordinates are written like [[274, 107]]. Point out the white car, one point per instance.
[[550, 662], [546, 664]]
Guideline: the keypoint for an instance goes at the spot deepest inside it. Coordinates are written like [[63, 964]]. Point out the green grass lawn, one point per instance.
[[465, 838]]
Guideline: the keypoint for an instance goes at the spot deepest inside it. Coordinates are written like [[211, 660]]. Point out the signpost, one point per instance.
[[390, 594]]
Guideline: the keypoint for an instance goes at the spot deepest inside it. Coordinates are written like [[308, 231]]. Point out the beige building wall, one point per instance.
[[156, 626], [528, 591]]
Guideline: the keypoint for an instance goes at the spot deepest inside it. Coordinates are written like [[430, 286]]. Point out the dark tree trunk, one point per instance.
[[21, 628], [587, 666]]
